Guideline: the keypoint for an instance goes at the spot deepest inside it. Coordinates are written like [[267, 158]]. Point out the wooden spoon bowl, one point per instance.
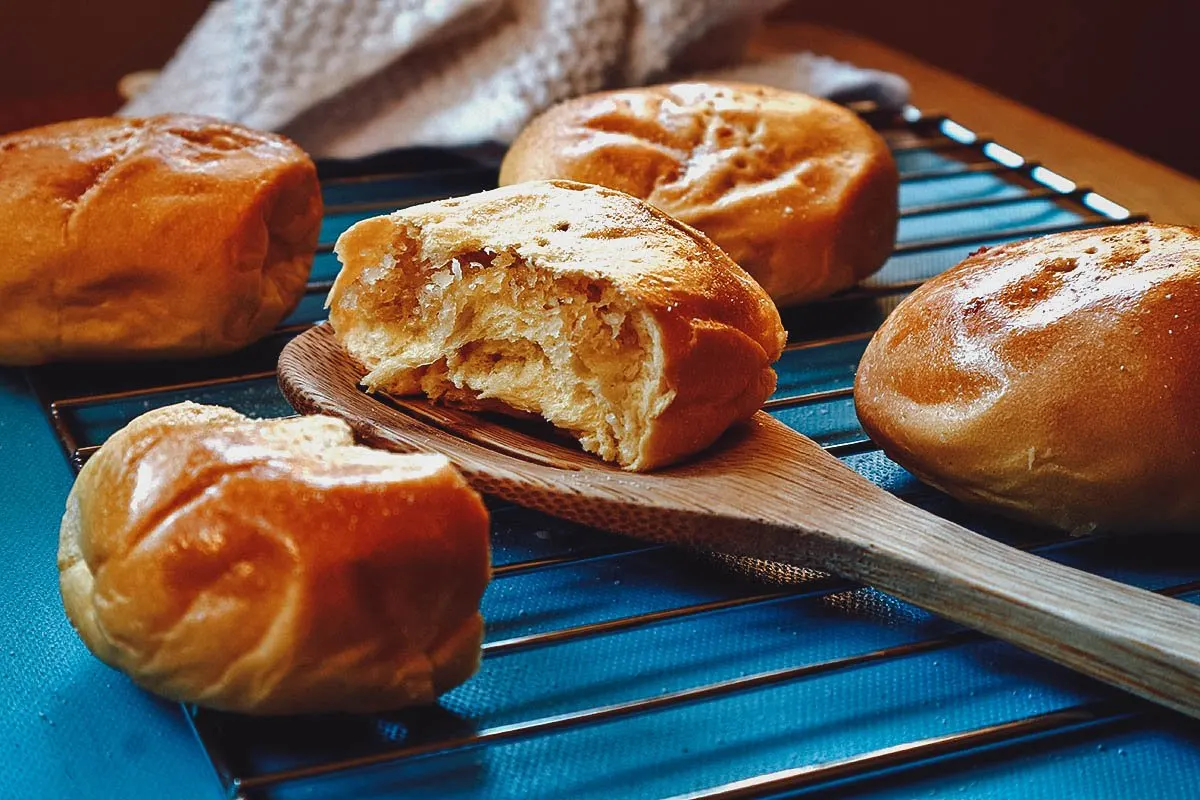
[[767, 492]]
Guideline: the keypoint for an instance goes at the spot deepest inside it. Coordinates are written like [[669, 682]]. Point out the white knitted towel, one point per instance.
[[355, 77]]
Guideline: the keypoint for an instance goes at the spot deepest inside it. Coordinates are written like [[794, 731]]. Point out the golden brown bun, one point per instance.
[[799, 191], [578, 303], [274, 567], [1057, 379], [140, 238]]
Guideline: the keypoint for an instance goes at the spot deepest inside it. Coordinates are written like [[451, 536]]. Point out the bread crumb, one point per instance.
[[439, 281]]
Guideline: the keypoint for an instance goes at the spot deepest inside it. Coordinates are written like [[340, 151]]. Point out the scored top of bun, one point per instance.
[[799, 191], [1055, 379], [168, 236], [608, 304], [273, 567]]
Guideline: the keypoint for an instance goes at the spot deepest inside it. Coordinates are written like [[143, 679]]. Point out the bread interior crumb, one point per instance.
[[488, 330]]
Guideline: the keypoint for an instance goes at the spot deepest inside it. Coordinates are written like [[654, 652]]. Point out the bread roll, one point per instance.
[[1056, 380], [142, 238], [583, 305], [799, 191], [274, 567]]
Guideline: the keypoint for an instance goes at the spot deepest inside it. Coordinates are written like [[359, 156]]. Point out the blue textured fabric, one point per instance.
[[73, 728], [325, 267], [69, 726]]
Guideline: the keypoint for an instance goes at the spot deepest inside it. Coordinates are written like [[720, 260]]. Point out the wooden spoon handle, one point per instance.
[[1131, 638]]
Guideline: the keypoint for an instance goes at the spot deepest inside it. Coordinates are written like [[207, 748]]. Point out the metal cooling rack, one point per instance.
[[613, 668]]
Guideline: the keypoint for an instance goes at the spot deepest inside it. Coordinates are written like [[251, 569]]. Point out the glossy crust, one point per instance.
[[719, 333], [140, 238], [274, 567], [799, 191], [1056, 380]]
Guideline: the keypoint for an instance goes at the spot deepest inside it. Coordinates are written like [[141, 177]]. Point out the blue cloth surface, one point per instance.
[[72, 728]]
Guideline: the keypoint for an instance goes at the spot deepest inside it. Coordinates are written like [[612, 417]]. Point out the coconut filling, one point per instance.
[[490, 327]]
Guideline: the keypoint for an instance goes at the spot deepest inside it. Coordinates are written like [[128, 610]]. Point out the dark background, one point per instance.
[[1128, 71]]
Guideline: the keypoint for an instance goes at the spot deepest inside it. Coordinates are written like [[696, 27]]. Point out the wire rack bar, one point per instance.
[[873, 290], [606, 713], [551, 562], [291, 330], [80, 455], [927, 143], [822, 396], [937, 143], [592, 716], [623, 624], [67, 437], [868, 291], [1038, 193], [1019, 731], [939, 173], [484, 172], [924, 245], [851, 448], [817, 587], [809, 344], [392, 203], [108, 397]]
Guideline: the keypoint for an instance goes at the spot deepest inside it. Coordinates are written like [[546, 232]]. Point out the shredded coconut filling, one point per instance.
[[489, 330]]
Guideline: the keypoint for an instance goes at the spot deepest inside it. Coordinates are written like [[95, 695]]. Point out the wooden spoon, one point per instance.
[[768, 492]]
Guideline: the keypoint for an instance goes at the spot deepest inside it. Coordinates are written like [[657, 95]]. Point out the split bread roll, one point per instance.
[[580, 304], [169, 236], [798, 191], [274, 567], [1056, 380]]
